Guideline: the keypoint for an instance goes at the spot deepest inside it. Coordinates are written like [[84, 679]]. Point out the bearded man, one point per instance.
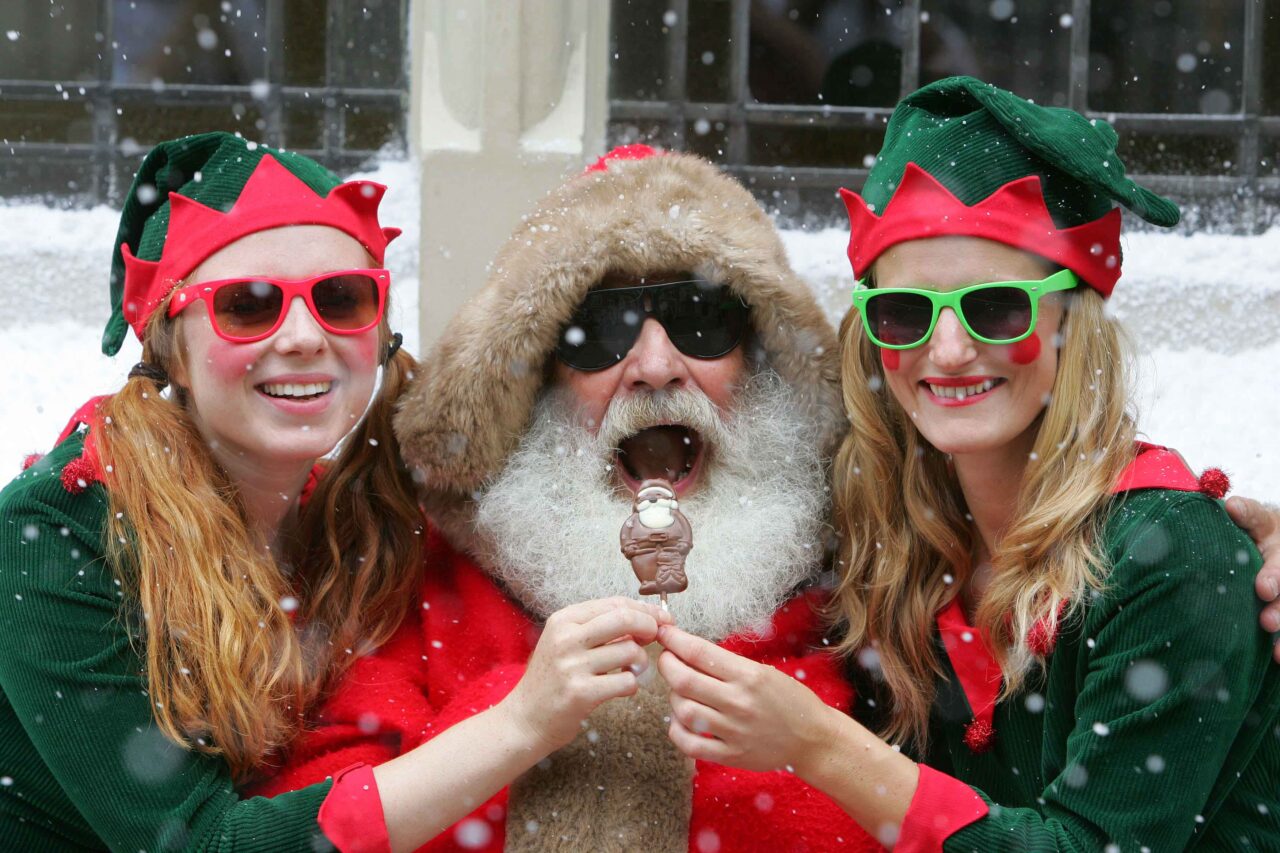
[[642, 322]]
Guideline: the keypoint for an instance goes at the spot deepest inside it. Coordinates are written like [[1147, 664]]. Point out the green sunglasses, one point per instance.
[[999, 312]]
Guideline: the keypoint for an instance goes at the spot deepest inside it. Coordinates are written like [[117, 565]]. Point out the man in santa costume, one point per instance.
[[642, 322]]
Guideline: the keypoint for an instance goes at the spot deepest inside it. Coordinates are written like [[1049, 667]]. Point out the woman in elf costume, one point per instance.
[[1059, 620], [181, 581]]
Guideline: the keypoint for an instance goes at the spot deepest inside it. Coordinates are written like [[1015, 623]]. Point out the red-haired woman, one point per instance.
[[181, 578]]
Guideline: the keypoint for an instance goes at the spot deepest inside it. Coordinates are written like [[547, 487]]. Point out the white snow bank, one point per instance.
[[1204, 312]]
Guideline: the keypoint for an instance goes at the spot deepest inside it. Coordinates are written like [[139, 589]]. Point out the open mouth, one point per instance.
[[670, 452], [295, 390]]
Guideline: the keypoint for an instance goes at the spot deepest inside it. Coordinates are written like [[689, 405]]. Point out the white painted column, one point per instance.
[[508, 98]]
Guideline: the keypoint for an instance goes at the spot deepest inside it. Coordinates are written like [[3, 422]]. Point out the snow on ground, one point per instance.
[[1203, 311]]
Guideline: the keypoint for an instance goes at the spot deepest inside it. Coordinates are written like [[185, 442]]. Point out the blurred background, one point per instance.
[[791, 95]]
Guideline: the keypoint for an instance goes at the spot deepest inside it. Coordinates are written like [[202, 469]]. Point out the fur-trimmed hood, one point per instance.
[[471, 401]]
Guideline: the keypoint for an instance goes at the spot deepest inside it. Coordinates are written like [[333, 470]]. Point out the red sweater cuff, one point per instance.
[[942, 806], [351, 815]]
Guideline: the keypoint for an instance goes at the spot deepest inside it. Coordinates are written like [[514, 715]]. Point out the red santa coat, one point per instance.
[[464, 646]]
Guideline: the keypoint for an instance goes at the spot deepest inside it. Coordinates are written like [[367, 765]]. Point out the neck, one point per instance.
[[269, 491], [990, 481]]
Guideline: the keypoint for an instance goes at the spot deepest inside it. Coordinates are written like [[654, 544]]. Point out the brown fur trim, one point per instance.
[[621, 786], [471, 402]]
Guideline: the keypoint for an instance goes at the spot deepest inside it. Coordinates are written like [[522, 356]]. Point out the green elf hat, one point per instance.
[[194, 195], [963, 157]]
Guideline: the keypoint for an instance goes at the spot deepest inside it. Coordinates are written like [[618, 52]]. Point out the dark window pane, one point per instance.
[[707, 138], [638, 41], [368, 128], [834, 147], [68, 121], [1166, 56], [189, 41], [1024, 46], [371, 54], [304, 43], [710, 52], [1169, 154], [143, 125], [53, 179], [304, 125], [49, 41], [1271, 57], [816, 51]]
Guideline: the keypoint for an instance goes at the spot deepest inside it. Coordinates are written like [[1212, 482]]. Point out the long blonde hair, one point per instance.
[[907, 543], [229, 670]]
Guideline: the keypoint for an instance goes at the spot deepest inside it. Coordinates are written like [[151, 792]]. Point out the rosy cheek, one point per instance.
[[228, 362], [1026, 350], [891, 359]]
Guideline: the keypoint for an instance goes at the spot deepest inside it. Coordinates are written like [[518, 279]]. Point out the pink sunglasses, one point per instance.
[[244, 310]]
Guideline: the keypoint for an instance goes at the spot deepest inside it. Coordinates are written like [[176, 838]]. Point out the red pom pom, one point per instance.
[[1214, 483], [78, 475], [638, 151], [979, 736], [31, 459]]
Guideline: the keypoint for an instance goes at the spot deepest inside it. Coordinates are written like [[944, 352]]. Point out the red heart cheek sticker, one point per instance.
[[1026, 350]]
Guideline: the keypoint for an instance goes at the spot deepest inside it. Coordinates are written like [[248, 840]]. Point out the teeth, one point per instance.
[[960, 392], [295, 389]]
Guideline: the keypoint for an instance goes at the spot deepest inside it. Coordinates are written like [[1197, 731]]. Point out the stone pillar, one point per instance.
[[508, 97]]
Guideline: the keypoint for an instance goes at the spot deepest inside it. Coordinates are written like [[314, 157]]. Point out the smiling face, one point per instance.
[[288, 399], [965, 396], [674, 451]]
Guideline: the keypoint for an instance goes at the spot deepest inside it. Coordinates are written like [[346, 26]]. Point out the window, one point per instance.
[[792, 95], [87, 86]]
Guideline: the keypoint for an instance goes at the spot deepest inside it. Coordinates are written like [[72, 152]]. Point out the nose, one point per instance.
[[950, 346], [299, 334], [654, 363]]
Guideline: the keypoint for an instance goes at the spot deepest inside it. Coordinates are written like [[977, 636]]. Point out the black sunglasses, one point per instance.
[[701, 319]]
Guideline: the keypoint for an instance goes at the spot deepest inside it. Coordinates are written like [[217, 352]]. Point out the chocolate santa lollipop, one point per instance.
[[656, 539]]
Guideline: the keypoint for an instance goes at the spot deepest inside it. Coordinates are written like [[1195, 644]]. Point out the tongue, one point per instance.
[[657, 452]]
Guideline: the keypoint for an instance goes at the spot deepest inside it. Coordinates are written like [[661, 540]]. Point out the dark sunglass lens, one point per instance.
[[247, 308], [347, 302], [998, 313], [602, 330], [703, 320], [899, 319]]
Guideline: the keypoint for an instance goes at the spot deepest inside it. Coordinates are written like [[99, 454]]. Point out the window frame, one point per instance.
[[789, 191]]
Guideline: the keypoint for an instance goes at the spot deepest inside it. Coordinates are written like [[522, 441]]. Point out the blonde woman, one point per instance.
[[181, 579], [1060, 622]]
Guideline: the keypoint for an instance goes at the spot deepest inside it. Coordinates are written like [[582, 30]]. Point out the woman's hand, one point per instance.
[[1262, 523], [757, 717], [588, 653]]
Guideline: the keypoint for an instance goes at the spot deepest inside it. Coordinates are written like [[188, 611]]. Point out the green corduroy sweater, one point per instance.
[[82, 764], [1156, 723]]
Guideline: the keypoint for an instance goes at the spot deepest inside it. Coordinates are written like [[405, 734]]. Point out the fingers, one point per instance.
[[584, 612], [1256, 520], [696, 746], [616, 623], [701, 654], [626, 654], [700, 719], [686, 681]]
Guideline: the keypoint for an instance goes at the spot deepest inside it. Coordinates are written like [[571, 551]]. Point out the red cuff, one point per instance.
[[942, 806], [351, 815]]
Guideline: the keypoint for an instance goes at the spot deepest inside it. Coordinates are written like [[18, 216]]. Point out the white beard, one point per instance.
[[549, 522]]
